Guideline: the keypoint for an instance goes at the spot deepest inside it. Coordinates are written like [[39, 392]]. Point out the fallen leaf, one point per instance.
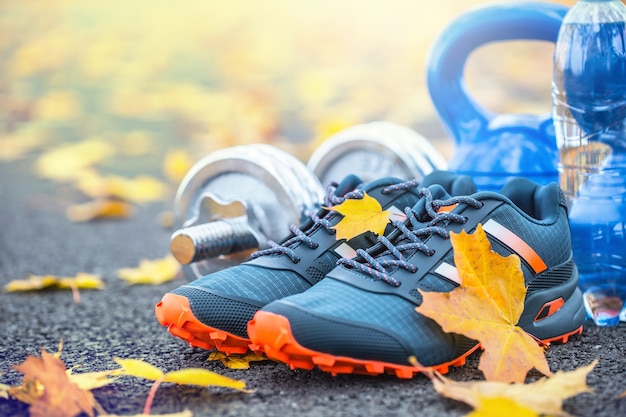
[[4, 391], [203, 378], [360, 216], [176, 165], [187, 376], [40, 282], [497, 407], [136, 143], [32, 283], [153, 272], [486, 307], [15, 145], [140, 189], [58, 105], [236, 361], [60, 396], [82, 280], [543, 397], [91, 380], [28, 392], [69, 162], [140, 369], [99, 209]]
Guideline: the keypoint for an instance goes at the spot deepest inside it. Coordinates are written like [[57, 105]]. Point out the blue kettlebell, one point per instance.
[[493, 147]]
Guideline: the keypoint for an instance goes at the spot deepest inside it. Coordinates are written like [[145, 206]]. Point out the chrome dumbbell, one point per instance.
[[236, 199], [375, 150]]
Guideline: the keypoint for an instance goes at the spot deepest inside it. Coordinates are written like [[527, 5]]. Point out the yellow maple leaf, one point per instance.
[[138, 142], [176, 164], [40, 282], [16, 145], [69, 162], [497, 407], [486, 307], [58, 105], [99, 209], [236, 361], [360, 216], [187, 376], [81, 280], [91, 380], [542, 397], [140, 189], [155, 271]]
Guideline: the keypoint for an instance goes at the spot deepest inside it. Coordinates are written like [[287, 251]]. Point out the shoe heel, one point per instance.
[[567, 320]]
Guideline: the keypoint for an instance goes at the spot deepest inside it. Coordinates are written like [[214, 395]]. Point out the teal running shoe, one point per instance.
[[213, 311], [361, 318]]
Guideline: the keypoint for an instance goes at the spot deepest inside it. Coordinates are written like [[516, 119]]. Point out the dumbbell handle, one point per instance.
[[208, 240]]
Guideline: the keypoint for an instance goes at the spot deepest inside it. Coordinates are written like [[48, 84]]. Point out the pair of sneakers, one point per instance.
[[349, 306]]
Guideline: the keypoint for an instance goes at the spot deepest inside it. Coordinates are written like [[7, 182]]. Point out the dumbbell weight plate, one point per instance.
[[271, 186], [374, 150]]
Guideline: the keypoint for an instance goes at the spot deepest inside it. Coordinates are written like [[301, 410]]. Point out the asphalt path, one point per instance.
[[36, 238]]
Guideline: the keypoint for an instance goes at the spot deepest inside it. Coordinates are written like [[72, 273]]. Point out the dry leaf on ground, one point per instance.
[[69, 162], [15, 145], [41, 282], [60, 397], [236, 361], [187, 376], [141, 189], [544, 396], [91, 380], [486, 307], [99, 209], [154, 272], [360, 216], [497, 407], [4, 391], [177, 164]]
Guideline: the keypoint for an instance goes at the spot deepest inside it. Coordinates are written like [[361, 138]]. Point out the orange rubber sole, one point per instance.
[[174, 312], [271, 334]]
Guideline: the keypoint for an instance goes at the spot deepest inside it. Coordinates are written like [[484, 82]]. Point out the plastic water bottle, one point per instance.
[[589, 112]]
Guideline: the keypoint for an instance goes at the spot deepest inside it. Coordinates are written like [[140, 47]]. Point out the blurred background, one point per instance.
[[147, 77]]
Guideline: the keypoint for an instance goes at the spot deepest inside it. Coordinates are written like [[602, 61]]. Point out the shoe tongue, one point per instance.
[[349, 183]]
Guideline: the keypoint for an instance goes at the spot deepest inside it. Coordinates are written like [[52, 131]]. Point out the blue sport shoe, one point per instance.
[[213, 311], [362, 318]]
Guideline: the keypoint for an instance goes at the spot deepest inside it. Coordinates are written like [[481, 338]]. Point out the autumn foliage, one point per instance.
[[360, 216], [486, 307]]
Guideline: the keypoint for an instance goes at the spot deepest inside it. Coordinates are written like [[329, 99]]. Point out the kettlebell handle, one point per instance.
[[446, 64]]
